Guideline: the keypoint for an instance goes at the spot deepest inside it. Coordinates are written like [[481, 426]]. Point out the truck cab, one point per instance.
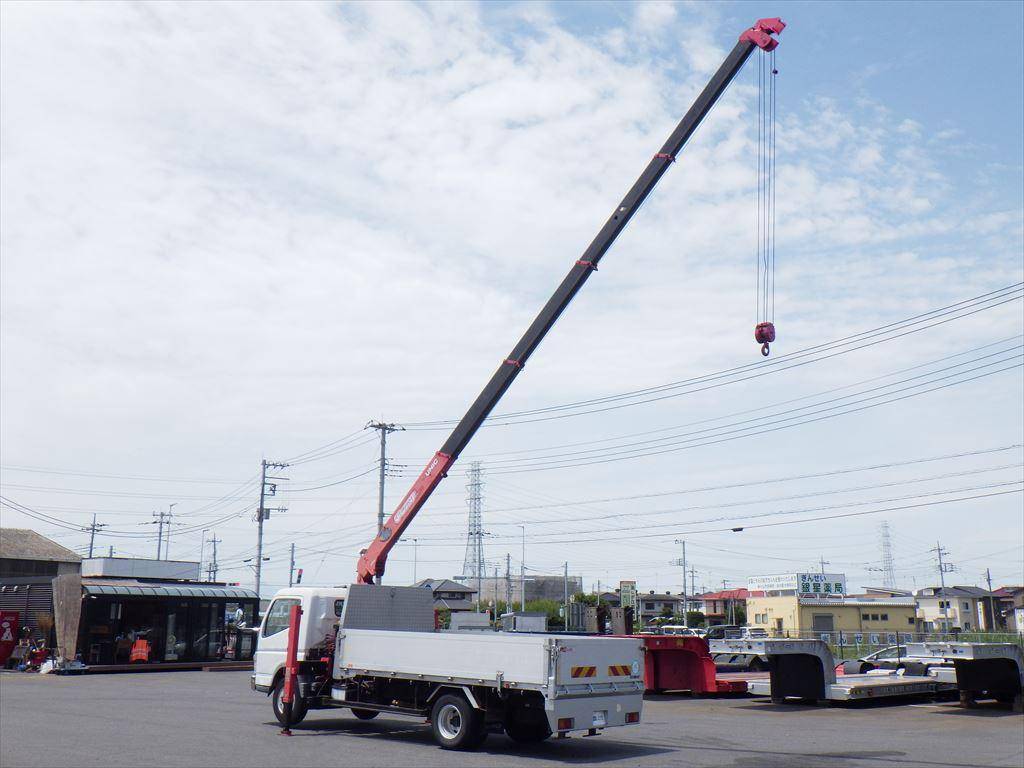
[[322, 608]]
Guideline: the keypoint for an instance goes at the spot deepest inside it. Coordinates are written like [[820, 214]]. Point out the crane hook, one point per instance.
[[764, 333]]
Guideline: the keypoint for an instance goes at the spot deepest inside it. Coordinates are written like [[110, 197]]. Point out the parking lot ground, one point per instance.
[[180, 719]]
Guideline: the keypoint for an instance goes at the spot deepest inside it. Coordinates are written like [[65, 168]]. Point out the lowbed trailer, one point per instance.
[[979, 670], [805, 670], [682, 663], [386, 657]]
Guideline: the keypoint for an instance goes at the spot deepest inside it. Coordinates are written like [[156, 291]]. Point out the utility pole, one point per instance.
[[824, 562], [212, 571], [683, 562], [385, 430], [415, 558], [167, 545], [693, 581], [944, 568], [95, 527], [111, 552], [508, 583], [159, 533], [522, 574], [262, 513], [291, 566], [565, 594], [990, 620]]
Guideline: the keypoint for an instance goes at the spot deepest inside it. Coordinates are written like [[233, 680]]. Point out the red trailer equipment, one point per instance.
[[682, 664]]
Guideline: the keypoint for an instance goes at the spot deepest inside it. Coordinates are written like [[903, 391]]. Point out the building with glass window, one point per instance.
[[137, 611]]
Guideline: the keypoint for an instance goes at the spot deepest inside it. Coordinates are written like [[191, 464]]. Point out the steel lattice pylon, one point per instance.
[[473, 563], [888, 569]]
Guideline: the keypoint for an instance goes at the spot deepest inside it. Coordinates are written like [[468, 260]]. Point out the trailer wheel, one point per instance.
[[365, 714], [299, 706], [456, 725]]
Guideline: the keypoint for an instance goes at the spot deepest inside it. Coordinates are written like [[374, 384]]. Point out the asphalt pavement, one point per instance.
[[182, 719]]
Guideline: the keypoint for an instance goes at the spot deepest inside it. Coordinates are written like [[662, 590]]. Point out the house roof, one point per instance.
[[25, 544], [952, 591], [740, 593], [445, 585]]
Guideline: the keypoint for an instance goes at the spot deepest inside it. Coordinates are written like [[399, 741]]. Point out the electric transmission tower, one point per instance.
[[473, 564], [888, 569]]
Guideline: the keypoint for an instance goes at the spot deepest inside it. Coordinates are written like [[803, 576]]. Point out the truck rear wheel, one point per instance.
[[299, 707], [456, 725], [365, 714]]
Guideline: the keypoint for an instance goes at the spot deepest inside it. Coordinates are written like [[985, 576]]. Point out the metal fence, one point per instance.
[[853, 645]]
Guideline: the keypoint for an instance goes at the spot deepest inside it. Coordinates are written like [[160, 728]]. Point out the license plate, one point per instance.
[[600, 719]]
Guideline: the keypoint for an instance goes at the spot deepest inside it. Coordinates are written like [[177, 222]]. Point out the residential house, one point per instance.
[[450, 595], [955, 608], [727, 605], [1008, 608]]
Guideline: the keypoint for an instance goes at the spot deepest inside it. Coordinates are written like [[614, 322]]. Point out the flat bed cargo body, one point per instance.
[[541, 662]]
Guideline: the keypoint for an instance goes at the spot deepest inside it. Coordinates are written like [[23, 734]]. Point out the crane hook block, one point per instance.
[[764, 334]]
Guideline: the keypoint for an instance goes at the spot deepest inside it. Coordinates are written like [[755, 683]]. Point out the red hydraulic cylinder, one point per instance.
[[682, 663], [291, 664]]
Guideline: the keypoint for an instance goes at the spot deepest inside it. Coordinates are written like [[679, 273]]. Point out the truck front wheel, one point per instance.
[[456, 724], [299, 707]]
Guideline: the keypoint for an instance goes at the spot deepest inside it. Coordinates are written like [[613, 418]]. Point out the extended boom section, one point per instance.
[[373, 560]]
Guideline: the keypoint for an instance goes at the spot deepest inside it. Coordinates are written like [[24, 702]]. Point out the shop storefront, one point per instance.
[[131, 622]]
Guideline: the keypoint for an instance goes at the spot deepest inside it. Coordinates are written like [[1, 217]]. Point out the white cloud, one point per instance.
[[232, 230]]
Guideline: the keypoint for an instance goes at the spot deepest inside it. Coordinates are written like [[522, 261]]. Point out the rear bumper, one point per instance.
[[588, 712]]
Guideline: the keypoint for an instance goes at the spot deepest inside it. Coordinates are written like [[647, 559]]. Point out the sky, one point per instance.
[[233, 232]]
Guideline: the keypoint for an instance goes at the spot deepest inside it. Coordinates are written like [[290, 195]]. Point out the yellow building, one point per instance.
[[795, 616]]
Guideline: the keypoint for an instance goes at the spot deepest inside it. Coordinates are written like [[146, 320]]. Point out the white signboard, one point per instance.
[[803, 584], [775, 583], [821, 584]]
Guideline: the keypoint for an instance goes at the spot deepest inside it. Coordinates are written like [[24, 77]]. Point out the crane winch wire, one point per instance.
[[765, 73]]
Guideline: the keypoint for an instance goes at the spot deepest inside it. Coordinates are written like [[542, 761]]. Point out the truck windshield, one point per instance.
[[277, 616]]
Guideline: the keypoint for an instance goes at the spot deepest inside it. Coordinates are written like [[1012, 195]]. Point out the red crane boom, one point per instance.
[[372, 560]]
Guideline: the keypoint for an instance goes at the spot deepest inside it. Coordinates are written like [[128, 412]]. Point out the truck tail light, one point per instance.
[[632, 717], [565, 723]]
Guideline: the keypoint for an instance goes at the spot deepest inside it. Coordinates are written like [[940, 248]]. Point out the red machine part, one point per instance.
[[682, 663], [373, 558], [291, 664], [761, 33], [764, 334]]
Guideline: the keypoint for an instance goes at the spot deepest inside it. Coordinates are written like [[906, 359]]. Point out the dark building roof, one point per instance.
[[445, 585], [134, 588], [24, 544]]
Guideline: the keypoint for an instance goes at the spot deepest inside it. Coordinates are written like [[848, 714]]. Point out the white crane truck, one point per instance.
[[374, 649]]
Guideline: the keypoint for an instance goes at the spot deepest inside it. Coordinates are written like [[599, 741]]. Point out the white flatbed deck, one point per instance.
[[860, 687]]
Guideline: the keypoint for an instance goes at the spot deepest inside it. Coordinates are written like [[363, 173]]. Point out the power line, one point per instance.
[[856, 341]]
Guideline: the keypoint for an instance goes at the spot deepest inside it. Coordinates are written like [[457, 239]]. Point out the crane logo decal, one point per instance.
[[406, 505]]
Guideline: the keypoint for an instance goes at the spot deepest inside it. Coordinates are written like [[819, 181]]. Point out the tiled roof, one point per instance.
[[24, 544]]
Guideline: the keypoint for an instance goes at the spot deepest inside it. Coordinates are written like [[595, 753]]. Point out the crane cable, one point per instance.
[[764, 330]]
